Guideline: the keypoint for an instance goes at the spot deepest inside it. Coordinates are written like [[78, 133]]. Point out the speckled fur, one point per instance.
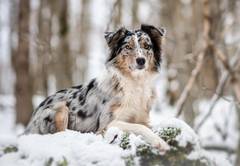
[[124, 92]]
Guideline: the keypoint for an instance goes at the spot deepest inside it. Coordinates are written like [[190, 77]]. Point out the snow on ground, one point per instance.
[[221, 128], [89, 149], [7, 128], [76, 148]]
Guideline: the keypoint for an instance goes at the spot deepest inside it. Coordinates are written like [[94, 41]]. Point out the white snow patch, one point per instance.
[[220, 129], [75, 147]]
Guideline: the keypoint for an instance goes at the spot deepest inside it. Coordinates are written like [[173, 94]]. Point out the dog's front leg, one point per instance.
[[139, 129]]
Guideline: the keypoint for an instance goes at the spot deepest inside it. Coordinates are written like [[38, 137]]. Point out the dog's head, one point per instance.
[[135, 52]]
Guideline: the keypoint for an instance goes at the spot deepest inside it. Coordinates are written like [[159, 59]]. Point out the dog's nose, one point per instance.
[[140, 61]]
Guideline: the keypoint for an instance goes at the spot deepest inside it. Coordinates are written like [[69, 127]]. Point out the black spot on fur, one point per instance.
[[48, 119], [62, 91], [73, 108], [91, 85], [75, 95], [81, 97], [116, 86], [77, 87], [43, 103], [49, 101], [104, 101], [61, 97], [68, 103], [82, 114], [47, 107]]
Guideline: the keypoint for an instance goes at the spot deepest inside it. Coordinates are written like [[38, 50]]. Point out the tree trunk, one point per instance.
[[209, 75], [23, 85], [117, 20], [63, 58], [84, 38], [135, 19], [44, 47]]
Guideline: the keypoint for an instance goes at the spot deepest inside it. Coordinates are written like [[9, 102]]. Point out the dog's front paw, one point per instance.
[[161, 145]]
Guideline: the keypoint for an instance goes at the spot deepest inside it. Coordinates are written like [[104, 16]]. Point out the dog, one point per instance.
[[122, 97]]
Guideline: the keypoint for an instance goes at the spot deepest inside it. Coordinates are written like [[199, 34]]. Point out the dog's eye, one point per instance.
[[146, 46], [128, 47]]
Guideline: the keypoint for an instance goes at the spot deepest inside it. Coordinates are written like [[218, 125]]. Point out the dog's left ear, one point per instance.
[[156, 35]]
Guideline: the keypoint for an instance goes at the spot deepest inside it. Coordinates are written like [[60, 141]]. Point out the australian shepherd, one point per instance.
[[122, 97]]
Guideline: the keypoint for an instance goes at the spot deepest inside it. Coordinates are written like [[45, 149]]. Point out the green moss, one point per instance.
[[10, 149], [169, 134], [63, 163], [147, 155], [50, 162], [129, 160], [125, 144]]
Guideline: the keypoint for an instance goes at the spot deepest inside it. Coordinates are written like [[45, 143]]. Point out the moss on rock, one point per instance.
[[147, 155]]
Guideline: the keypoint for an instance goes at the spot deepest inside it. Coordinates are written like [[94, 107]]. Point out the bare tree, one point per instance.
[[43, 46], [84, 36], [23, 86], [135, 19]]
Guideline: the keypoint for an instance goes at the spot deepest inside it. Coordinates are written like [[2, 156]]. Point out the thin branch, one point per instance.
[[224, 148], [234, 79], [188, 87], [219, 90], [224, 60]]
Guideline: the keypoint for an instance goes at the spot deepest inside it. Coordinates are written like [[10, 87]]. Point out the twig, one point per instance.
[[219, 90], [216, 96], [234, 79], [220, 55], [189, 85], [225, 148]]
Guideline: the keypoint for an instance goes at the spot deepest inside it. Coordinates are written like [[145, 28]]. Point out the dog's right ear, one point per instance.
[[112, 38]]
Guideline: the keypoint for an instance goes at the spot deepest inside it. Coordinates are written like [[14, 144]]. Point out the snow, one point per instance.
[[7, 119], [219, 121], [87, 149], [77, 148], [223, 120], [221, 127]]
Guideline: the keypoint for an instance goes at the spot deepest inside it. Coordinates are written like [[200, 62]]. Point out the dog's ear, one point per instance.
[[112, 38], [156, 35]]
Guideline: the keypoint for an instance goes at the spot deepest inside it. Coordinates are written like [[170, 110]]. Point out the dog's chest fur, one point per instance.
[[135, 103]]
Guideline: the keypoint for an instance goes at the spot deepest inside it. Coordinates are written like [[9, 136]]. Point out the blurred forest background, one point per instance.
[[47, 45]]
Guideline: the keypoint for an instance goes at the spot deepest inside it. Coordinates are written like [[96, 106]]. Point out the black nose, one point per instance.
[[140, 61]]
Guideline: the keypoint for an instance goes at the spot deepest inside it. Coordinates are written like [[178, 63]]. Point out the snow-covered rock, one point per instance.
[[114, 148]]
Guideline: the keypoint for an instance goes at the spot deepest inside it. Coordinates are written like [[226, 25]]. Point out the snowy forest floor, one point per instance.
[[74, 148]]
